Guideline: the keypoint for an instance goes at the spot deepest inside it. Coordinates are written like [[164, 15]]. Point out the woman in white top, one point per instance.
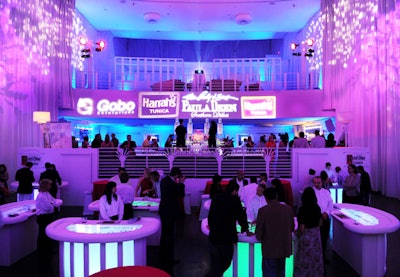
[[110, 204], [45, 204]]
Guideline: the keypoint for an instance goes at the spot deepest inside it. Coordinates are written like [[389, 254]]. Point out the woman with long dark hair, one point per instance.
[[110, 204], [309, 258]]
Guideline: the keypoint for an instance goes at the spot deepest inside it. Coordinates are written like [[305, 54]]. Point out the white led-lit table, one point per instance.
[[14, 187], [247, 256], [359, 237], [18, 231], [142, 207], [87, 247]]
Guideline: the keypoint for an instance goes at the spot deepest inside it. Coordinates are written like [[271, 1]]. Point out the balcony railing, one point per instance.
[[264, 82]]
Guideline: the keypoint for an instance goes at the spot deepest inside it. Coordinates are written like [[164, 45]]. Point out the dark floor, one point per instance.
[[191, 250]]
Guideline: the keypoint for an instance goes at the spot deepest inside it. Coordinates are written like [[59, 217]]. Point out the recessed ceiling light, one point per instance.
[[152, 17], [243, 18]]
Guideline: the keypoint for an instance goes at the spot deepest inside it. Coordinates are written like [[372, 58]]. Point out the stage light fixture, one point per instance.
[[293, 46], [310, 42], [100, 45], [310, 53], [83, 40], [85, 53]]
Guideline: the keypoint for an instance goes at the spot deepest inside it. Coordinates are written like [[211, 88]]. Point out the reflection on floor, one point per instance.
[[191, 250]]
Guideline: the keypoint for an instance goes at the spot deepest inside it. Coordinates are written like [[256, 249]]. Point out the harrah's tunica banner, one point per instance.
[[205, 104]]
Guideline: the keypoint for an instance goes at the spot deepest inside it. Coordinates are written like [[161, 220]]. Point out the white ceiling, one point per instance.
[[198, 19]]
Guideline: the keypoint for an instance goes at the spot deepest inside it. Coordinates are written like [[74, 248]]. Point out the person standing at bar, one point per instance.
[[181, 132], [25, 178], [172, 192], [274, 227], [225, 211]]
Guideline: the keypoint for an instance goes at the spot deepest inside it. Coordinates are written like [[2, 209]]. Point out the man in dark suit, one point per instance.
[[52, 175], [239, 180], [25, 178], [172, 191], [225, 210], [275, 224]]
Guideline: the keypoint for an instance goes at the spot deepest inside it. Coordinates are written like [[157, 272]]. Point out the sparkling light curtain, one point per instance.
[[34, 69], [361, 72]]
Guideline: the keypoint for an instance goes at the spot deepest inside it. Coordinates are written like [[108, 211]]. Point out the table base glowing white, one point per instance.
[[87, 247], [359, 237], [18, 231], [247, 256]]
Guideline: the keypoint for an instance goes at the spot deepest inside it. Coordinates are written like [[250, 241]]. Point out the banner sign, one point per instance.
[[258, 107], [172, 104], [158, 105]]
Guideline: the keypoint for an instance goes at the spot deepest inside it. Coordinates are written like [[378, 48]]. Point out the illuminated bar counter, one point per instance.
[[87, 247], [247, 256], [18, 231], [359, 237]]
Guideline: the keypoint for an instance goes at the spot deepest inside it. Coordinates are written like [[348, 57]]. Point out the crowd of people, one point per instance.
[[265, 207], [180, 138], [259, 205]]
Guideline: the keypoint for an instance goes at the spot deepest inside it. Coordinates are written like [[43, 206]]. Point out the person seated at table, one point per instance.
[[129, 144], [126, 191], [155, 179], [147, 141], [215, 187], [154, 144], [45, 205], [118, 178], [145, 185], [111, 206]]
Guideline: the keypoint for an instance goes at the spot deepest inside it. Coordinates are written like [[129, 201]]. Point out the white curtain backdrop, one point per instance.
[[35, 58], [361, 80]]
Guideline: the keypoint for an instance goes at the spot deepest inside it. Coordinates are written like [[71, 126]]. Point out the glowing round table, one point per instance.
[[143, 207], [359, 237], [18, 231], [247, 256], [87, 247]]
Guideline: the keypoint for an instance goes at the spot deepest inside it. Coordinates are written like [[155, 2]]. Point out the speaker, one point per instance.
[[330, 126]]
